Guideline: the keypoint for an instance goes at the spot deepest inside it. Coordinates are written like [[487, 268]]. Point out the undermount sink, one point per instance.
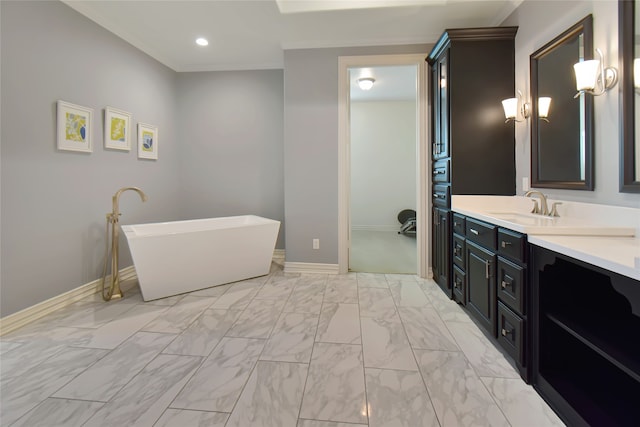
[[528, 218], [536, 224]]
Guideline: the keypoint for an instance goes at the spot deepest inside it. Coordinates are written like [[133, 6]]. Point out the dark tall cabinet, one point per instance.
[[472, 71]]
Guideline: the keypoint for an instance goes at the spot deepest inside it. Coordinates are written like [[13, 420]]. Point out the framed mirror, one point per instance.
[[629, 15], [562, 138]]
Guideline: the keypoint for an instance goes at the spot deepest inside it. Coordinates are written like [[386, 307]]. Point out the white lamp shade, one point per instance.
[[636, 72], [544, 102], [586, 74], [366, 83], [510, 108]]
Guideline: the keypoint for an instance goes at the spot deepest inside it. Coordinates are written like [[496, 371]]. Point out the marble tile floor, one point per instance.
[[353, 350]]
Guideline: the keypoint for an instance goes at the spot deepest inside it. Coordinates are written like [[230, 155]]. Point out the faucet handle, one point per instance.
[[554, 209], [536, 207]]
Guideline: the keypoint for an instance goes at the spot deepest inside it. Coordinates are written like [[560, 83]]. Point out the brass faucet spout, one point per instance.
[[112, 220], [116, 199]]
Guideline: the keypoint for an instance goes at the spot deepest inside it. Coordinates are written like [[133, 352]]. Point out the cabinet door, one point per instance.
[[481, 285], [459, 285], [440, 258], [440, 93]]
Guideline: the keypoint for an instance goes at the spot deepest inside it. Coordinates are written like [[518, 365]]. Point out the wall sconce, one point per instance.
[[544, 102], [513, 106], [366, 83], [592, 76]]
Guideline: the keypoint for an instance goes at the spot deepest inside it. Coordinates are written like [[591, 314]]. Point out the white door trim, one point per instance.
[[344, 161]]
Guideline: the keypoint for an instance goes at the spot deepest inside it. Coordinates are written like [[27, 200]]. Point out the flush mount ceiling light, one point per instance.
[[201, 41], [366, 83]]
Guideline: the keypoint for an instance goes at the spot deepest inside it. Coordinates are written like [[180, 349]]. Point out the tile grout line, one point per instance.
[[203, 360], [415, 358], [364, 371]]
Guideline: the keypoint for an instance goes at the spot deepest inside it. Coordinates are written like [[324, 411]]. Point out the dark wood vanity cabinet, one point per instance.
[[481, 272], [473, 150], [441, 238], [512, 292], [585, 347], [489, 277], [459, 257]]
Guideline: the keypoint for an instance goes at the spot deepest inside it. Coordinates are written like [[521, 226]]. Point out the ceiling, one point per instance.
[[252, 34]]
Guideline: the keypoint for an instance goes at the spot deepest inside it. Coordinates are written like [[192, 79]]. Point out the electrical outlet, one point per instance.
[[316, 243], [525, 183]]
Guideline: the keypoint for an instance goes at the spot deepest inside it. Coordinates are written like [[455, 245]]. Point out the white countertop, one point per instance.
[[618, 254]]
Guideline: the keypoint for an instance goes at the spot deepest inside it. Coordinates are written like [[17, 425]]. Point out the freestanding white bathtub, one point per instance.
[[171, 258]]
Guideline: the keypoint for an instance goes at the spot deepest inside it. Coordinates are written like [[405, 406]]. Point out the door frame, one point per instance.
[[422, 154]]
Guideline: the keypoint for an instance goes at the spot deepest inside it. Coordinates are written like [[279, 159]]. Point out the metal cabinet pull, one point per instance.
[[504, 244], [504, 332], [487, 266], [474, 231]]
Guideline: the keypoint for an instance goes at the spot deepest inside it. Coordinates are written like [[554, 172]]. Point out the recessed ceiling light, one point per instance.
[[202, 41]]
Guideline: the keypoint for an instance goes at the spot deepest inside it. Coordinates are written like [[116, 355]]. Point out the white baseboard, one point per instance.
[[375, 227], [310, 267], [21, 318], [128, 279]]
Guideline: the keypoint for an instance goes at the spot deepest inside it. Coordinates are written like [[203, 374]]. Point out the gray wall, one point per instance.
[[232, 157], [540, 22], [311, 147], [54, 203]]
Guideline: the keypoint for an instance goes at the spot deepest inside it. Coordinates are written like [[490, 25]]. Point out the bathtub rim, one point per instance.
[[130, 229]]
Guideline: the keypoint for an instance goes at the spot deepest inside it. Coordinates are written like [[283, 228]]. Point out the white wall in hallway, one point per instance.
[[383, 162]]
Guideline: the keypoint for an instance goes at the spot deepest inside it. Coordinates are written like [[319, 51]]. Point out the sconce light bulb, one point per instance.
[[586, 74], [510, 107], [544, 102], [593, 77]]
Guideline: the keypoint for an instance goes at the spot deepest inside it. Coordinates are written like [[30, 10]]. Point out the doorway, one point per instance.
[[383, 140], [367, 221]]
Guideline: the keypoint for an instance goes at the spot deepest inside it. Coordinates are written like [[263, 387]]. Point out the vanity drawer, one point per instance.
[[441, 171], [481, 233], [459, 285], [441, 195], [511, 285], [458, 223], [512, 244], [511, 333], [458, 251]]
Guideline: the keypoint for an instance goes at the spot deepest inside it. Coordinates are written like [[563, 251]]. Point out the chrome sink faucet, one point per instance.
[[543, 208]]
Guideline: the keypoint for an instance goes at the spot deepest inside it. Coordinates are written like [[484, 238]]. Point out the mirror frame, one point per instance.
[[584, 27], [626, 18]]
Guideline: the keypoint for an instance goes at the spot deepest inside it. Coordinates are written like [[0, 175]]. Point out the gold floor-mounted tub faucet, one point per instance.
[[113, 222]]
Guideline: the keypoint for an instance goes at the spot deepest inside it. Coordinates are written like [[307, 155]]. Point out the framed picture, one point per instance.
[[74, 127], [147, 141], [117, 129]]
